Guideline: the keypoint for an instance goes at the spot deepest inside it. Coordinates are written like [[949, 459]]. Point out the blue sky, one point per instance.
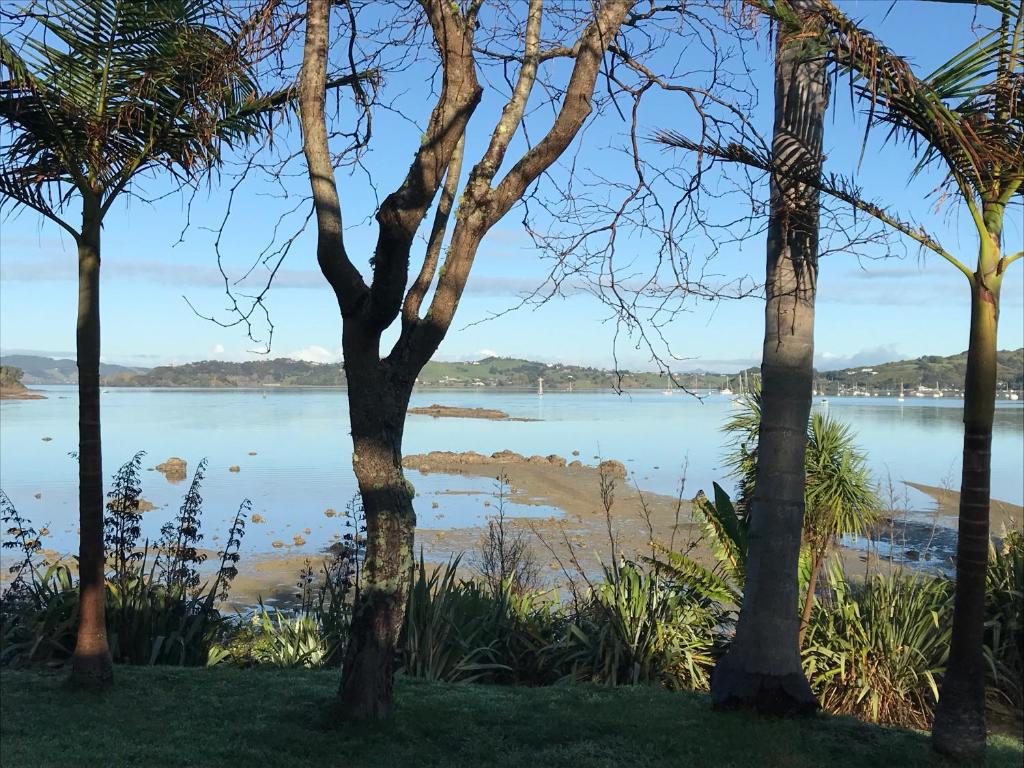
[[867, 312]]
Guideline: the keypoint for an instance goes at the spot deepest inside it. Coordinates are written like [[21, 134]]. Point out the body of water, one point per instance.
[[302, 450]]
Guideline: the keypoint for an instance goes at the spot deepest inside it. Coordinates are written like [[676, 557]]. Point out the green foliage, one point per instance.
[[446, 627], [631, 628], [840, 495], [98, 91], [636, 628], [152, 617], [10, 377], [725, 531], [1004, 624], [315, 633], [288, 641], [876, 650]]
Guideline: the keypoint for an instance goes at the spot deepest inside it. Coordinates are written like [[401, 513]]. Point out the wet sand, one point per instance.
[[583, 537], [584, 531], [1002, 514]]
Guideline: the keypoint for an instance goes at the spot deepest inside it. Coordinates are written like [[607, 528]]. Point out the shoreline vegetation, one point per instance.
[[925, 375], [12, 388]]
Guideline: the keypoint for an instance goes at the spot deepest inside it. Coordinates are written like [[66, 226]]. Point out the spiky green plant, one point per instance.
[[637, 628], [878, 650], [445, 636], [1004, 625]]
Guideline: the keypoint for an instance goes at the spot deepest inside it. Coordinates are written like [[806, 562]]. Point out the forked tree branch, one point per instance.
[[348, 284]]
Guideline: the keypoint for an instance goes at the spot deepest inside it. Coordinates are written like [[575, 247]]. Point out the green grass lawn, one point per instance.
[[231, 717]]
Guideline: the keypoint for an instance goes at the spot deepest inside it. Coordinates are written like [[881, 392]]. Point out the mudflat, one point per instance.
[[602, 510], [1002, 514]]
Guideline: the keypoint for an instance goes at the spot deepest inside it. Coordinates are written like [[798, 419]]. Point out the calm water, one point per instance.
[[301, 466]]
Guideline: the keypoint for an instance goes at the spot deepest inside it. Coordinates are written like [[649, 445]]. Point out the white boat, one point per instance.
[[725, 390], [1013, 395], [900, 398], [937, 392]]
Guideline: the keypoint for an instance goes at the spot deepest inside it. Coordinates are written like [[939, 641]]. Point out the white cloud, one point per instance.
[[885, 353], [487, 353], [315, 354], [218, 349]]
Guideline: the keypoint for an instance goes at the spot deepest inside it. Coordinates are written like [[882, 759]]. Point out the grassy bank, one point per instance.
[[231, 717]]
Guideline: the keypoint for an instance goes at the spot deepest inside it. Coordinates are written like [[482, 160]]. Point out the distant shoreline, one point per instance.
[[700, 391]]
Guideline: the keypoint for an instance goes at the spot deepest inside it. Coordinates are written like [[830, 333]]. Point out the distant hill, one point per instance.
[[490, 372], [280, 372], [946, 372], [46, 370], [928, 371]]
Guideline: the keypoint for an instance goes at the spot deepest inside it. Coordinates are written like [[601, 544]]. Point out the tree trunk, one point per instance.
[[959, 727], [377, 406], [91, 664], [805, 618], [762, 669]]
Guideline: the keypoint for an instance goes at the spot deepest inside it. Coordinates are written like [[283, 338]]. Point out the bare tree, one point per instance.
[[379, 386]]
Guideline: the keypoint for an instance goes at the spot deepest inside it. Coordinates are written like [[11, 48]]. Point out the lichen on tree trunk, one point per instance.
[[377, 404]]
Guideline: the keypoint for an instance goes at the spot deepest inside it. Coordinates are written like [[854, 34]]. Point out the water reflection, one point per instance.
[[293, 452]]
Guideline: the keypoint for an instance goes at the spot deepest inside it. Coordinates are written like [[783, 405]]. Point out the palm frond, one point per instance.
[[964, 116], [96, 91]]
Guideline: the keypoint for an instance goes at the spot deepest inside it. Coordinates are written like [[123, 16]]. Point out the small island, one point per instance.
[[456, 412], [11, 387]]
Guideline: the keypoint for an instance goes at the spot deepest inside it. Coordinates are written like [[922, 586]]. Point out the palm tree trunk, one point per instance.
[[959, 728], [762, 669], [91, 664], [377, 405]]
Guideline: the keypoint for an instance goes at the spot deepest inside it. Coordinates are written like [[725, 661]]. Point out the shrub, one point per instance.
[[157, 611], [1004, 628], [505, 559], [631, 628], [315, 633], [635, 628], [876, 650]]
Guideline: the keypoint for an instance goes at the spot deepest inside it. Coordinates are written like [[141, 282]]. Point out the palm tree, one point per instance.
[[94, 94], [965, 118], [762, 668]]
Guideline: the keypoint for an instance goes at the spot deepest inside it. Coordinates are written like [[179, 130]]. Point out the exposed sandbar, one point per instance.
[[635, 517], [455, 412], [1002, 514]]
